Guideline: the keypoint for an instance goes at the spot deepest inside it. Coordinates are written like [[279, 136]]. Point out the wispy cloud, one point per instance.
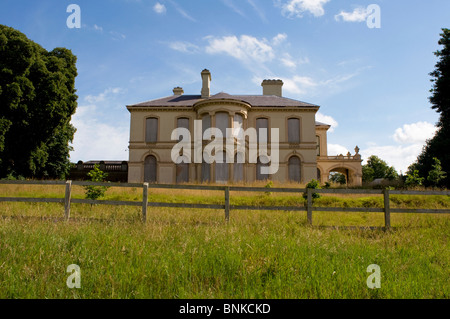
[[359, 14], [183, 46], [181, 11], [102, 96], [258, 10], [279, 38], [230, 4], [297, 8], [245, 48]]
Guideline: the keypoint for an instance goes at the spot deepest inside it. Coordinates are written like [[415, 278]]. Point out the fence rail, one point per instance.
[[227, 207]]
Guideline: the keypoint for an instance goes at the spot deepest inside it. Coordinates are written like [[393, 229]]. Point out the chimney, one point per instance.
[[206, 78], [178, 91], [272, 87]]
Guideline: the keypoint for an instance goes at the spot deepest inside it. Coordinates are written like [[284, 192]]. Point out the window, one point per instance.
[[318, 145], [262, 123], [222, 122], [319, 175], [206, 123], [238, 124], [150, 169], [294, 131], [222, 168], [259, 175], [151, 130], [183, 122], [295, 169], [238, 170]]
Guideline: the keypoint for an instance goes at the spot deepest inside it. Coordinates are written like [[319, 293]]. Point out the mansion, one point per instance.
[[300, 142]]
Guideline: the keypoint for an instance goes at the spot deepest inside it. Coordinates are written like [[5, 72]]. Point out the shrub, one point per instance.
[[314, 184], [96, 175]]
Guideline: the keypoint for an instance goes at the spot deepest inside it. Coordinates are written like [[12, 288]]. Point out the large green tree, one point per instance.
[[37, 101], [439, 146], [377, 168]]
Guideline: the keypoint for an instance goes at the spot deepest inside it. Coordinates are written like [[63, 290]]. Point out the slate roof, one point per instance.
[[253, 100]]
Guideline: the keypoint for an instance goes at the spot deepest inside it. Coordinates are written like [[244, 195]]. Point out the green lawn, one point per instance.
[[196, 254]]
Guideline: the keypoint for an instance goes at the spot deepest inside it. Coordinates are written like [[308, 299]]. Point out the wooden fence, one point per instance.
[[309, 207]]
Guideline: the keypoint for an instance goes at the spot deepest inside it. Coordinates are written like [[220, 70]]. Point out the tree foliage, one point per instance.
[[377, 168], [37, 101], [436, 175], [96, 175], [439, 146]]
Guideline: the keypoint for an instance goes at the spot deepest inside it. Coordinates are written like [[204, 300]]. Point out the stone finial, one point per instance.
[[356, 150]]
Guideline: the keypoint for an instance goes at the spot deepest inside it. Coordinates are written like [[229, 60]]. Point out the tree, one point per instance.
[[313, 184], [338, 178], [439, 146], [414, 179], [377, 168], [37, 101], [436, 175], [96, 175]]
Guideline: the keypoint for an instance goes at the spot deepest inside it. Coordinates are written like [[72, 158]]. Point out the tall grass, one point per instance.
[[196, 254]]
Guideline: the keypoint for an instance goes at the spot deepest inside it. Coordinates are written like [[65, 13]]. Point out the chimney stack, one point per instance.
[[178, 91], [272, 87], [206, 79]]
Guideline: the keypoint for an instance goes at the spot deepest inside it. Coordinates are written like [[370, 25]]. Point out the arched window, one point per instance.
[[319, 175], [151, 130], [182, 122], [294, 130], [238, 171], [222, 168], [150, 169], [295, 169], [259, 165]]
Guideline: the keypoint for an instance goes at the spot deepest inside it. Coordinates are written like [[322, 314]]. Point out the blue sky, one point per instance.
[[372, 83]]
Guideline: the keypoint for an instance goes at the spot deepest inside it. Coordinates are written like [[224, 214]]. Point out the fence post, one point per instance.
[[227, 203], [387, 210], [309, 205], [67, 200], [144, 202]]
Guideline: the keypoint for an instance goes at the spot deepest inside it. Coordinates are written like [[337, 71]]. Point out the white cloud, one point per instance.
[[296, 8], [279, 38], [159, 8], [410, 138], [102, 96], [288, 61], [414, 133], [326, 119], [336, 149], [246, 48], [95, 140], [359, 14], [399, 156], [184, 47]]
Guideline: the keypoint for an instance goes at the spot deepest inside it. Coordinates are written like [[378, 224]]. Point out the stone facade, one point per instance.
[[302, 141]]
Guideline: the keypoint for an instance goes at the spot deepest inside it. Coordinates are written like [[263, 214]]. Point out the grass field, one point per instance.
[[196, 254]]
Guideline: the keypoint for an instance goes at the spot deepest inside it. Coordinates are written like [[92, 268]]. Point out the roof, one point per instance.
[[253, 100]]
